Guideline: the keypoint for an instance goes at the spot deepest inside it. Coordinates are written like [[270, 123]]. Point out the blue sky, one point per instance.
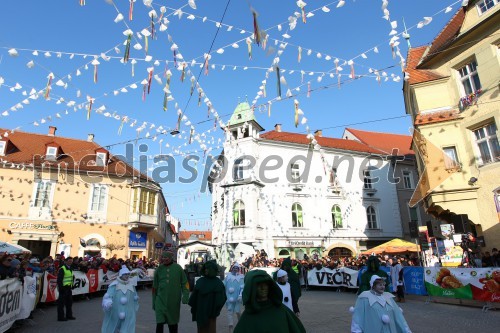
[[344, 33]]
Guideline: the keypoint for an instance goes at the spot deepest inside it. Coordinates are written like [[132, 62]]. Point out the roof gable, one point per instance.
[[384, 141], [419, 75]]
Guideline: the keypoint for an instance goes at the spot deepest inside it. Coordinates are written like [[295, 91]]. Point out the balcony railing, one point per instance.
[[143, 219]]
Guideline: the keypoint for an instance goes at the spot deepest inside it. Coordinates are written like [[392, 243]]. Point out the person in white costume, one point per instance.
[[285, 288], [376, 312], [234, 283], [120, 304]]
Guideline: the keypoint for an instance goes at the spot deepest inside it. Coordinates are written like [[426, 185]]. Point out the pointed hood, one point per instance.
[[250, 291]]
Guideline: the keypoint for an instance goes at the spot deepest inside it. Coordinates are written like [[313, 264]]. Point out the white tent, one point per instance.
[[12, 248]]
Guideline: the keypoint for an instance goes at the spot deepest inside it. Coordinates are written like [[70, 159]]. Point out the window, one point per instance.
[[333, 175], [43, 194], [101, 159], [284, 253], [297, 218], [413, 214], [487, 143], [450, 158], [470, 78], [371, 217], [99, 196], [407, 179], [295, 172], [484, 5], [2, 148], [51, 153], [239, 214], [367, 179], [238, 170], [144, 201], [336, 216]]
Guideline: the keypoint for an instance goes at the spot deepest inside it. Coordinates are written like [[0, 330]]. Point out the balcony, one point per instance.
[[369, 191], [142, 220]]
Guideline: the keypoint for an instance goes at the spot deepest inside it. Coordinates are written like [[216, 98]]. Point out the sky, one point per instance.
[[81, 46]]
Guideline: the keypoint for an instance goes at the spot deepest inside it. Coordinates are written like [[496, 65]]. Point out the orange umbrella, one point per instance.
[[394, 246]]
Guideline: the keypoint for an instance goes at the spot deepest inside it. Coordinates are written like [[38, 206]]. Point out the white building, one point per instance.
[[292, 194]]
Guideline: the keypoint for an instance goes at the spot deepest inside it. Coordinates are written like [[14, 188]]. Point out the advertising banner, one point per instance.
[[94, 277], [326, 277], [50, 292], [28, 299], [413, 279], [80, 283], [482, 284], [10, 302]]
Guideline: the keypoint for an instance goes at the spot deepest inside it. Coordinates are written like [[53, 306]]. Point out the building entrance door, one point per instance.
[[40, 249], [135, 255]]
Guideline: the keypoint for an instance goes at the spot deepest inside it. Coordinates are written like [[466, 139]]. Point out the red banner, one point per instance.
[[50, 292], [93, 277]]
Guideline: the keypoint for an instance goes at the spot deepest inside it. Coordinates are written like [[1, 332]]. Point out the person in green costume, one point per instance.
[[264, 310], [373, 268], [170, 285], [208, 298], [293, 279]]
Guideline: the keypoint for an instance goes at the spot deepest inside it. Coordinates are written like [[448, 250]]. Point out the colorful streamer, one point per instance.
[[127, 49], [131, 10], [89, 108], [150, 77], [296, 117], [299, 57], [279, 80], [256, 30], [48, 86]]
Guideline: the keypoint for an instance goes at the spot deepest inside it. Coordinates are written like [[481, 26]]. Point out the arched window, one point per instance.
[[297, 219], [371, 217], [239, 214], [284, 253], [339, 252], [336, 216], [93, 242]]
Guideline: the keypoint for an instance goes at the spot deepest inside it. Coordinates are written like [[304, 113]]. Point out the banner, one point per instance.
[[326, 277], [413, 279], [10, 302], [28, 299], [482, 284], [95, 278], [50, 292]]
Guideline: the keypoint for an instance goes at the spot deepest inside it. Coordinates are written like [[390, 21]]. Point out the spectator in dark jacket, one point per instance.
[[6, 269]]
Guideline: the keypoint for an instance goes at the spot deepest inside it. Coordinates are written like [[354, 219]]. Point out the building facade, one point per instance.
[[451, 92], [405, 174], [61, 194], [295, 195]]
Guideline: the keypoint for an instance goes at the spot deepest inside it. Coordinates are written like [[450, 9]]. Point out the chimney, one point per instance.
[[52, 130], [277, 127], [90, 138], [318, 133]]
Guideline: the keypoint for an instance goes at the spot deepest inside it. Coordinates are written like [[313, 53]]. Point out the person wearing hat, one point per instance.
[[170, 287], [294, 281], [234, 288], [375, 311], [208, 298], [120, 304], [397, 280], [372, 268], [264, 310], [64, 286], [285, 288]]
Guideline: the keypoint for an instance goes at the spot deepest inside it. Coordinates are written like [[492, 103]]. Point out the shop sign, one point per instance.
[[28, 225], [159, 245], [137, 239], [298, 243]]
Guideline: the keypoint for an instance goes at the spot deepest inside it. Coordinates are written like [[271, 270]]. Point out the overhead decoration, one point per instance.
[[48, 86], [95, 62], [131, 10], [296, 112], [89, 106], [256, 29]]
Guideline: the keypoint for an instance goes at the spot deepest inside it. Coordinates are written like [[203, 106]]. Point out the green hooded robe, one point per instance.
[[293, 279], [270, 316], [372, 268], [169, 284], [209, 295]]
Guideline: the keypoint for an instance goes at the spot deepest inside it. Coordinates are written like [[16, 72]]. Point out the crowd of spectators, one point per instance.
[[18, 266]]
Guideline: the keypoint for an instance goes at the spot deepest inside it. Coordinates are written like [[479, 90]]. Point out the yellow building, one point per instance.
[[61, 194], [452, 94]]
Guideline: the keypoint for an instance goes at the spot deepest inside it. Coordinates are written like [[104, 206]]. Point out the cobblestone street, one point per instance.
[[321, 311]]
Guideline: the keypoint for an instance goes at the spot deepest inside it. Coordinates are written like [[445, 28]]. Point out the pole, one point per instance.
[[418, 252]]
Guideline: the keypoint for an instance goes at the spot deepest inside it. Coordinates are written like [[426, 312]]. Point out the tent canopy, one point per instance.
[[393, 247], [12, 248]]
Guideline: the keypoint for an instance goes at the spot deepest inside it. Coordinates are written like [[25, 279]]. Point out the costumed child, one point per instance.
[[208, 298], [234, 283], [285, 288], [120, 304], [376, 312]]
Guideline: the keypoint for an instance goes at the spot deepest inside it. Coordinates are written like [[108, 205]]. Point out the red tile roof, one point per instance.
[[30, 148], [436, 117], [419, 75], [322, 141], [201, 235], [450, 31], [384, 141]]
